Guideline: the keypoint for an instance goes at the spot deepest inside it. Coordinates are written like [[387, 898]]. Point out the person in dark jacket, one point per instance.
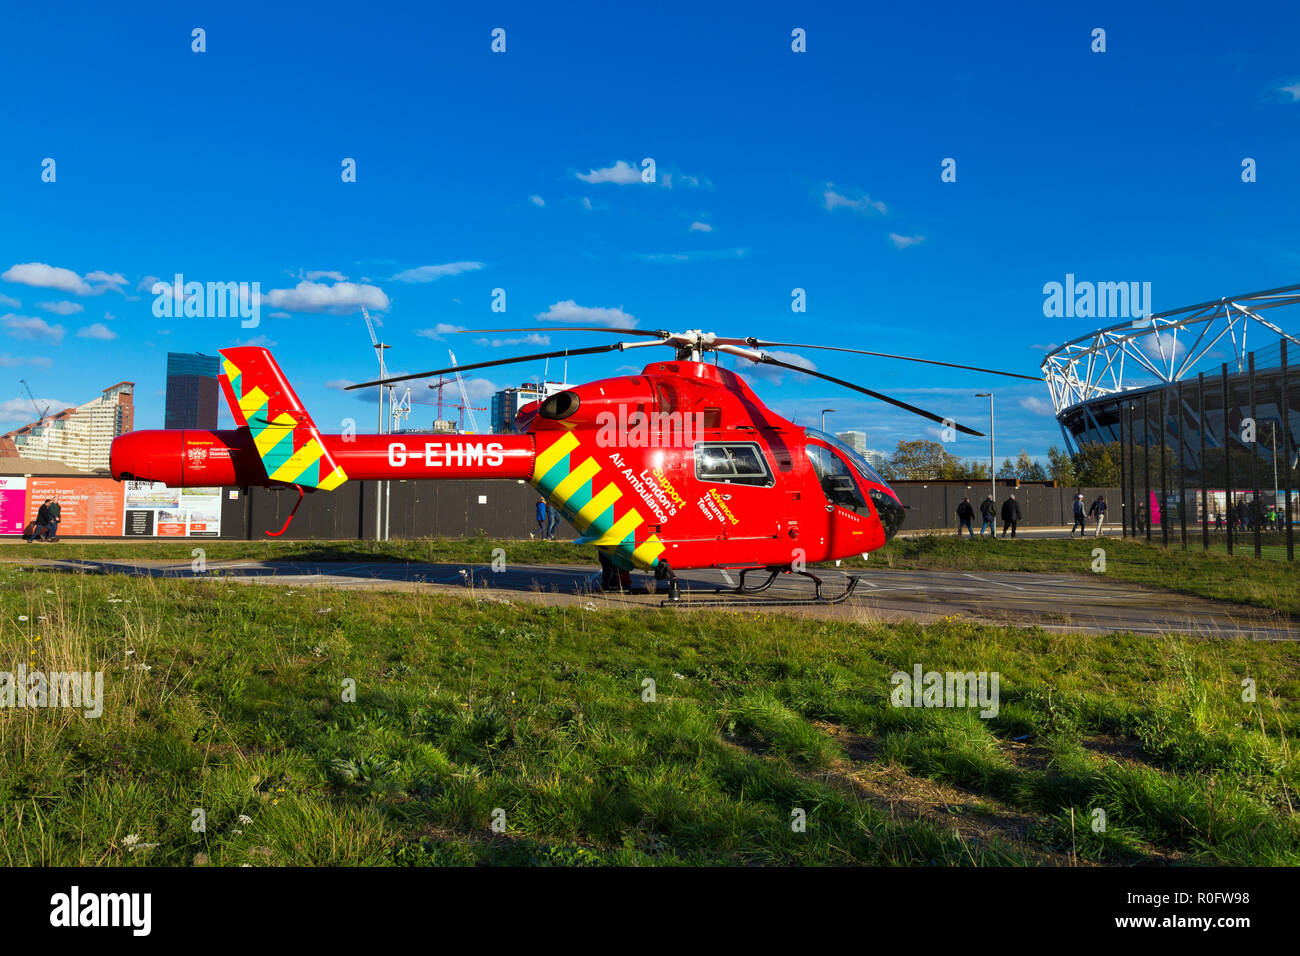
[[965, 514], [1098, 511], [989, 516], [1079, 517], [55, 517], [1010, 516], [42, 521]]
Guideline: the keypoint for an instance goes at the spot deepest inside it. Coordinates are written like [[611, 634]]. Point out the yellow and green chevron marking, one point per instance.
[[569, 479], [291, 450]]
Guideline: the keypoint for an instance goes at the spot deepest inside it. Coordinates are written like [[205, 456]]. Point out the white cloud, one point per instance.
[[586, 203], [325, 274], [432, 273], [44, 276], [902, 242], [7, 303], [98, 331], [1037, 405], [106, 280], [862, 203], [19, 411], [531, 339], [278, 315], [698, 226], [706, 255], [438, 331], [30, 329], [337, 299], [61, 308], [259, 341], [621, 173], [13, 361], [1290, 91], [146, 284], [537, 201], [772, 373], [570, 311]]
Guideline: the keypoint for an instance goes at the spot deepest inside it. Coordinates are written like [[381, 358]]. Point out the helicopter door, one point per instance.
[[840, 488]]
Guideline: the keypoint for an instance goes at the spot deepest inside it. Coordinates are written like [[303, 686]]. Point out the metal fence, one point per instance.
[[1213, 458]]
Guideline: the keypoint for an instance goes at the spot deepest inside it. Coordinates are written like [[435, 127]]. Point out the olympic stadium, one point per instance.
[[1200, 404]]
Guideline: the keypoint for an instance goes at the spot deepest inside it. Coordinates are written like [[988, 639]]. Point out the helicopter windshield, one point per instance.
[[849, 455]]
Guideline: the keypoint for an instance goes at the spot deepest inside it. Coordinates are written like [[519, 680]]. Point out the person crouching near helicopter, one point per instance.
[[989, 517], [965, 514]]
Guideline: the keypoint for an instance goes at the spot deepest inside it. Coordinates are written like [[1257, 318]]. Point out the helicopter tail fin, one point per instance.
[[287, 440]]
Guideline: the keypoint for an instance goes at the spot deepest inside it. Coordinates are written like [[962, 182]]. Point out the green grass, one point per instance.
[[229, 699]]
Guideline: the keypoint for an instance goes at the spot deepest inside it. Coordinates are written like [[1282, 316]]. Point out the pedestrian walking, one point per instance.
[[1098, 511], [552, 521], [965, 514], [1079, 517], [55, 517], [541, 518], [989, 515], [1010, 516]]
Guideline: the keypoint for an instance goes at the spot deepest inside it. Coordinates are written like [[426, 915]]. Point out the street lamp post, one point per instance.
[[993, 466], [824, 411]]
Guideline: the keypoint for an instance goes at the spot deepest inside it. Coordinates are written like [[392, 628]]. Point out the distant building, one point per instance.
[[507, 402], [78, 437], [855, 440], [858, 442], [191, 390]]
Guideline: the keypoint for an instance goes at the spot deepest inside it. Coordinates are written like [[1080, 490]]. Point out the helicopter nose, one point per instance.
[[889, 511]]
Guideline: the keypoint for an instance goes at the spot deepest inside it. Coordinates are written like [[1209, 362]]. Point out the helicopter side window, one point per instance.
[[836, 478], [731, 462]]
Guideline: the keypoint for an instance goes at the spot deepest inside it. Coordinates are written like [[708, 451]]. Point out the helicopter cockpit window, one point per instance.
[[836, 478], [737, 463]]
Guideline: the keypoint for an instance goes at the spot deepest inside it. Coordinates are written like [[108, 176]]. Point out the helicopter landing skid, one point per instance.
[[739, 595]]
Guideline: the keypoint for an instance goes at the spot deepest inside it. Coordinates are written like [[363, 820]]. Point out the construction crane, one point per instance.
[[463, 409], [464, 397], [383, 371], [41, 414], [399, 411], [440, 385]]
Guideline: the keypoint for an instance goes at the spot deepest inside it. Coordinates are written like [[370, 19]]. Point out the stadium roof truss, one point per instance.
[[1158, 349]]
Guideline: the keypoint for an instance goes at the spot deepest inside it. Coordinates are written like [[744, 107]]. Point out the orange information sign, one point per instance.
[[88, 506]]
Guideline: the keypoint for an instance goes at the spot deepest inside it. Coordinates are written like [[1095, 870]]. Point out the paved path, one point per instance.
[[1063, 602]]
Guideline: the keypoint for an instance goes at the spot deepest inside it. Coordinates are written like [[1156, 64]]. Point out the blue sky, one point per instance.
[[775, 170]]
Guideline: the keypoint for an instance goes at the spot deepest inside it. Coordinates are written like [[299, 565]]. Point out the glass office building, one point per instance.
[[192, 390]]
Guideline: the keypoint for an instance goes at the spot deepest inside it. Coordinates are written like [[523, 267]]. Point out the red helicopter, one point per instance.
[[682, 466]]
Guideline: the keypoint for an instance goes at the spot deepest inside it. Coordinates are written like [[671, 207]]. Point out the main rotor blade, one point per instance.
[[759, 344], [657, 333], [768, 360], [616, 347]]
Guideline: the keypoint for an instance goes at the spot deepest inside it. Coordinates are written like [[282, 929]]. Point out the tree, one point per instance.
[[922, 461], [1097, 465], [1061, 467], [1023, 468]]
